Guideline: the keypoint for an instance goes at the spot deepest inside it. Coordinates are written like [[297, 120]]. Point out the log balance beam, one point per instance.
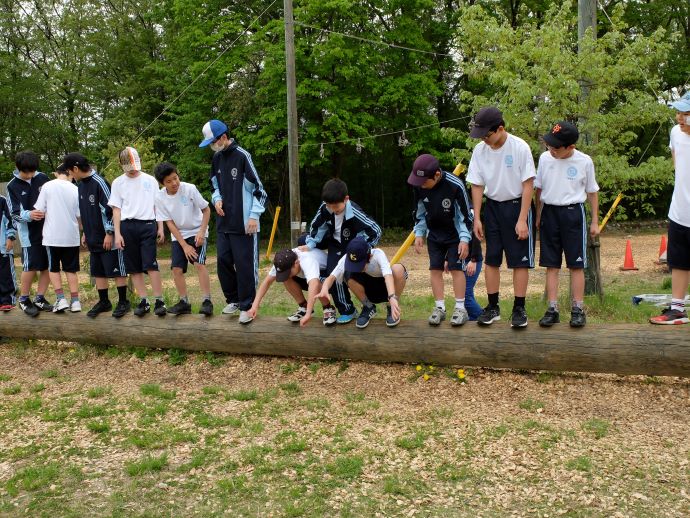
[[612, 348]]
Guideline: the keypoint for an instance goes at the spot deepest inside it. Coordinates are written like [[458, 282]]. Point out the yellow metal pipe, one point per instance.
[[410, 239], [610, 212], [273, 233]]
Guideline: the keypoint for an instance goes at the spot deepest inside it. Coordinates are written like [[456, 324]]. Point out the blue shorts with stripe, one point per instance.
[[179, 260], [108, 264], [34, 258], [500, 218], [563, 231]]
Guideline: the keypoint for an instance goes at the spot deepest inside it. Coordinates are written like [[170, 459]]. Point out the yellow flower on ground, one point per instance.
[[431, 367], [426, 377], [419, 368], [461, 373]]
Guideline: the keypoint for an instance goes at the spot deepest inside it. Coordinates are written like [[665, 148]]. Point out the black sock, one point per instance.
[[303, 304], [122, 294], [103, 295], [519, 302], [493, 299]]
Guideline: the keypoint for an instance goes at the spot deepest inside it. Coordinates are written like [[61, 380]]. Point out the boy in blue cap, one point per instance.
[[239, 199], [678, 252]]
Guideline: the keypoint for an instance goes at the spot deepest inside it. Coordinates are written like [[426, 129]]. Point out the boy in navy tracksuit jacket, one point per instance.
[[22, 193], [106, 262], [8, 285], [239, 199], [339, 220], [443, 216]]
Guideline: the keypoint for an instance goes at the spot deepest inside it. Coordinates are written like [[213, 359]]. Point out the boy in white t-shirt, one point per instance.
[[186, 212], [299, 271], [502, 168], [371, 278], [59, 201], [133, 199], [565, 180], [678, 253]]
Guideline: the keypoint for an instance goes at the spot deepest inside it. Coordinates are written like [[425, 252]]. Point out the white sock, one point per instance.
[[459, 303], [678, 304], [441, 304], [553, 304]]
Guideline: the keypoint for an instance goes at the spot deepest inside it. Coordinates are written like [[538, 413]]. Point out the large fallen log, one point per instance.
[[615, 348]]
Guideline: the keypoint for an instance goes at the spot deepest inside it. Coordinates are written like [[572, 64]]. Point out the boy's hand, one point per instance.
[[37, 215], [219, 208], [9, 245], [521, 230], [161, 236], [478, 229], [119, 241], [303, 248], [395, 307], [304, 320], [252, 311], [200, 238], [594, 229], [463, 250], [189, 252], [83, 240], [323, 294], [107, 242], [418, 244], [252, 226], [471, 268]]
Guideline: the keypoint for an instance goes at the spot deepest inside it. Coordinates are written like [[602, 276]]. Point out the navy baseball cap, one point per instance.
[[484, 120], [682, 104], [283, 261], [212, 130], [562, 134], [357, 255], [424, 167]]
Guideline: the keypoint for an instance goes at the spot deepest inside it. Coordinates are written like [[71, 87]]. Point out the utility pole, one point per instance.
[[586, 19], [293, 148]]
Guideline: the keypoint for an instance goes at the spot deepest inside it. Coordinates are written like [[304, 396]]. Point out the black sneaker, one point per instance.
[[142, 308], [100, 307], [160, 310], [181, 308], [28, 307], [365, 316], [519, 317], [550, 318], [489, 315], [42, 304], [390, 321], [122, 309], [577, 317], [298, 314], [206, 308]]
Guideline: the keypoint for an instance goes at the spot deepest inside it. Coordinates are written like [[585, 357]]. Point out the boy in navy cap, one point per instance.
[[565, 180], [502, 168], [239, 199], [679, 218], [443, 217], [371, 278]]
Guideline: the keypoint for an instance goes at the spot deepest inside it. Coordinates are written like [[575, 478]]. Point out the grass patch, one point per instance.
[[87, 411], [147, 464], [581, 463], [12, 391], [5, 377], [212, 390], [291, 389], [531, 405], [177, 356], [39, 387], [98, 426], [411, 442], [33, 478], [154, 390], [243, 395], [50, 374], [98, 392], [597, 427], [346, 467], [160, 437]]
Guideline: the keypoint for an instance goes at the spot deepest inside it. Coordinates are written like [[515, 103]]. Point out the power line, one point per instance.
[[375, 42]]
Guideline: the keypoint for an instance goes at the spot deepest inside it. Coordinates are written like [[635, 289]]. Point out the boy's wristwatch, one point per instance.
[[109, 232], [392, 297]]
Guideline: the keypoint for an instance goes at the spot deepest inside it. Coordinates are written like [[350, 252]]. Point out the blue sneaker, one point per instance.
[[346, 319], [365, 316]]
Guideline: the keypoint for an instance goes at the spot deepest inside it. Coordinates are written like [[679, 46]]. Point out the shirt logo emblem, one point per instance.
[[92, 198], [233, 172], [420, 172], [572, 172], [346, 233], [509, 160], [23, 193], [446, 203], [184, 200]]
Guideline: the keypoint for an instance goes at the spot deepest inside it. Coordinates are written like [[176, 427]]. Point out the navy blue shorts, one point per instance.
[[67, 256], [678, 250], [108, 264], [179, 260], [500, 218], [8, 280], [563, 231], [140, 245], [34, 258], [440, 252], [374, 287]]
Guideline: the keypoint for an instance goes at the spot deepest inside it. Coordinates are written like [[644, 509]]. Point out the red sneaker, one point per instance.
[[671, 316], [6, 307]]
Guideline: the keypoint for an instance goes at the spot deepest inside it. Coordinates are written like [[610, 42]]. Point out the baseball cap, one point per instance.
[[129, 160], [357, 255], [682, 104], [562, 134], [212, 130], [283, 261], [485, 119], [75, 160], [424, 167]]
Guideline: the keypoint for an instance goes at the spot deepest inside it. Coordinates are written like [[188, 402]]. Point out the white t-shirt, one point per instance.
[[183, 208], [565, 181], [680, 201], [311, 263], [59, 199], [378, 266], [501, 171], [339, 218], [135, 197]]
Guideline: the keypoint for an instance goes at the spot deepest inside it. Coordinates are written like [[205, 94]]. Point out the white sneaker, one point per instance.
[[245, 318], [75, 306], [60, 305], [231, 308]]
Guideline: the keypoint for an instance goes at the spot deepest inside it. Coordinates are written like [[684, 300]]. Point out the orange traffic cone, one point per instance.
[[628, 263], [662, 251]]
